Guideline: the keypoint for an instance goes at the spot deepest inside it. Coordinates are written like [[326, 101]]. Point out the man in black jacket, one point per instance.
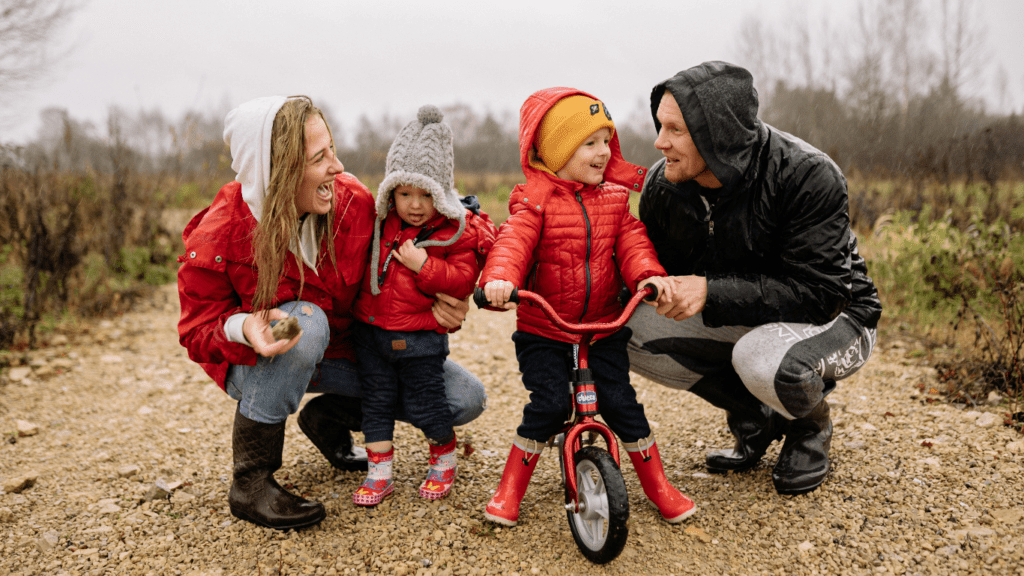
[[772, 301]]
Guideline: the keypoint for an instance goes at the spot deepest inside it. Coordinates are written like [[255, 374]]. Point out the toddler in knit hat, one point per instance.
[[571, 238], [421, 246]]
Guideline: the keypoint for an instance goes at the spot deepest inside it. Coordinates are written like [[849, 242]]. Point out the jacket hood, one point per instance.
[[719, 105], [618, 171], [247, 132]]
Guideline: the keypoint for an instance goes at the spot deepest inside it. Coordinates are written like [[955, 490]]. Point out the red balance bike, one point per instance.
[[596, 502]]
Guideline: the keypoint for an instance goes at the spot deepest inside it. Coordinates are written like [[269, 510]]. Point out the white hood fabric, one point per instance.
[[247, 132]]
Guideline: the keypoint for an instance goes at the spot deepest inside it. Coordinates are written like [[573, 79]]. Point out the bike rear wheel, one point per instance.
[[599, 528]]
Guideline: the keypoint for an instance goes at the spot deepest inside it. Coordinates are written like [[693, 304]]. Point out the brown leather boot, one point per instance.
[[255, 496], [327, 421]]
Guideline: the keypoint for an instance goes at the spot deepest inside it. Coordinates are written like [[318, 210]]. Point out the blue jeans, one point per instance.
[[545, 364], [273, 388], [411, 376]]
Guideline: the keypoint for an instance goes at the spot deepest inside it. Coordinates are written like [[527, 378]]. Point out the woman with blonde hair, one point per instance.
[[289, 238]]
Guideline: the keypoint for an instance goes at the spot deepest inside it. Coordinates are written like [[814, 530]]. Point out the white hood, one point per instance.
[[247, 132]]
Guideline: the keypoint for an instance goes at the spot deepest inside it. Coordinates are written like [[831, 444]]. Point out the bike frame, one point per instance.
[[584, 392]]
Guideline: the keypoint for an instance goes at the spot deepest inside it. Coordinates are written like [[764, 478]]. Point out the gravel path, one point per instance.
[[116, 460]]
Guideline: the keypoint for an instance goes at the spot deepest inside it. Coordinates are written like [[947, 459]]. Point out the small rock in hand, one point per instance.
[[286, 329]]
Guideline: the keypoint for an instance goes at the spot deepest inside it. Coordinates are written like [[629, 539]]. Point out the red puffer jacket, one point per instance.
[[217, 277], [572, 243], [405, 297]]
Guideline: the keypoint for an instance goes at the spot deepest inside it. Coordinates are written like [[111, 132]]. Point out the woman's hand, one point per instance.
[[410, 256], [662, 284], [498, 292], [449, 311], [689, 294], [258, 332]]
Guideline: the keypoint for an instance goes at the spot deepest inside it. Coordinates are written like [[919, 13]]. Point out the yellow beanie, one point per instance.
[[566, 125]]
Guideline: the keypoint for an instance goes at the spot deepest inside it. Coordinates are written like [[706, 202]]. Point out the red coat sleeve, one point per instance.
[[635, 252], [512, 252], [455, 273], [208, 298]]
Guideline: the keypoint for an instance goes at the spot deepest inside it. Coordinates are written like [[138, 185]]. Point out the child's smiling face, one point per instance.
[[587, 165], [415, 206]]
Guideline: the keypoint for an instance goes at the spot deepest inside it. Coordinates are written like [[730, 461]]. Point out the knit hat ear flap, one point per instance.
[[566, 125]]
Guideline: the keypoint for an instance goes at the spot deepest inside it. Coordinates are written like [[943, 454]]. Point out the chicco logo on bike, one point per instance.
[[586, 397]]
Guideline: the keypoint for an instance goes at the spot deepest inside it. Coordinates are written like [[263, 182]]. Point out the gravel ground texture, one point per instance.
[[116, 459]]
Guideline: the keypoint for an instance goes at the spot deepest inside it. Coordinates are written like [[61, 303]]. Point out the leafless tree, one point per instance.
[[962, 43], [27, 30]]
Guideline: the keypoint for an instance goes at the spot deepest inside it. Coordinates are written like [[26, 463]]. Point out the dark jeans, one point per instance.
[[545, 365], [403, 370]]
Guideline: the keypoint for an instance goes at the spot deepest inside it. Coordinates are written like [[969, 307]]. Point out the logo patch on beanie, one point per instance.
[[594, 109]]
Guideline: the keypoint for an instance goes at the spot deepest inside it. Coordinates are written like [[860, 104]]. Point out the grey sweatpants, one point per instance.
[[790, 367]]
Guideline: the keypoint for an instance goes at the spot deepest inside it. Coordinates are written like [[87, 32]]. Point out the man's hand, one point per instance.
[[449, 311], [689, 294], [498, 292], [410, 256], [258, 332]]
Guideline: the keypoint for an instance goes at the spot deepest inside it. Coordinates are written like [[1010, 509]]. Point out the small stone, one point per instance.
[[144, 411], [156, 492], [700, 534], [47, 541], [867, 426], [994, 398], [45, 371], [63, 363], [286, 329], [18, 374], [988, 420], [111, 359], [128, 471], [6, 515], [935, 462], [108, 508], [1008, 516], [15, 485], [58, 340], [805, 546], [102, 457], [1015, 447], [26, 428], [182, 497], [854, 445]]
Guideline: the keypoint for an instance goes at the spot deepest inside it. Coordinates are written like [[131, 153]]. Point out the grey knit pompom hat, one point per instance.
[[421, 156]]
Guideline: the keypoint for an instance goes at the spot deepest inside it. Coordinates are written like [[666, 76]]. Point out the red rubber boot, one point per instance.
[[504, 505], [673, 505], [379, 483], [441, 474]]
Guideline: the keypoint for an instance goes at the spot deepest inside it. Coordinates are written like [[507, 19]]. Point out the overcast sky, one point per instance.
[[371, 57]]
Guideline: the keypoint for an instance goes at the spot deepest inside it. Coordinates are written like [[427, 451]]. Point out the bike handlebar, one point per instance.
[[649, 293]]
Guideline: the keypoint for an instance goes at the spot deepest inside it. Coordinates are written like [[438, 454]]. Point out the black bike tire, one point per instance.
[[618, 507]]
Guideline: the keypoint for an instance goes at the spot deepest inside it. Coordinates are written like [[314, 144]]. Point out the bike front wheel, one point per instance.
[[599, 528]]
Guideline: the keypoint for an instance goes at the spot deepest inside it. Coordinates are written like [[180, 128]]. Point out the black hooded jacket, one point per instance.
[[774, 242]]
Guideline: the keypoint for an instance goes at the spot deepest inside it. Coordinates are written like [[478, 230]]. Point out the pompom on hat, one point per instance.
[[566, 125], [422, 156]]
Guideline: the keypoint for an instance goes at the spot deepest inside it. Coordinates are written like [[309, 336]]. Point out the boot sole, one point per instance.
[[296, 526], [682, 516], [721, 470], [500, 520]]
